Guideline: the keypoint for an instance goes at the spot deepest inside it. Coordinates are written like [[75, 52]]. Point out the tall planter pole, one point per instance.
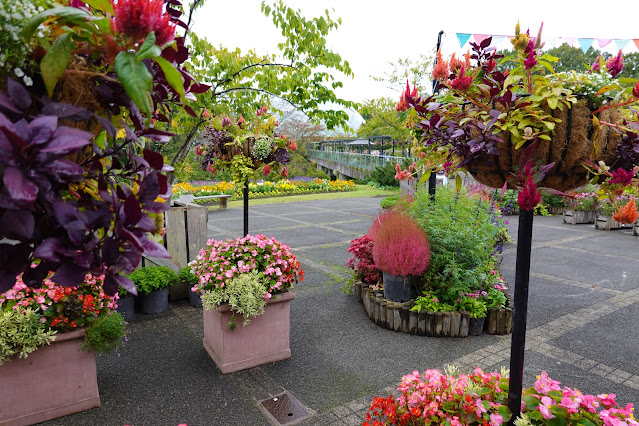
[[522, 278], [432, 180], [246, 207]]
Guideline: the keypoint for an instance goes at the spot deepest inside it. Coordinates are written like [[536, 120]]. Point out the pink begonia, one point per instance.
[[544, 408], [496, 419], [545, 384]]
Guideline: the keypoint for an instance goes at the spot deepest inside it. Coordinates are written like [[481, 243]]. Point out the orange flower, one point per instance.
[[628, 213]]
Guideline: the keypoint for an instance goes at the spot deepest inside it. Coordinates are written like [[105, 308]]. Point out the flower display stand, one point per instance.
[[575, 217], [607, 223], [54, 381], [265, 339]]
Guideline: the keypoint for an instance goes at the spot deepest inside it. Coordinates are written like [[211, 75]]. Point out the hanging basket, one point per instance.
[[574, 141]]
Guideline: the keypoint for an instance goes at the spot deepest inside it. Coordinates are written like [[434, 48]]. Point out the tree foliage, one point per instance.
[[305, 74], [383, 120], [416, 70]]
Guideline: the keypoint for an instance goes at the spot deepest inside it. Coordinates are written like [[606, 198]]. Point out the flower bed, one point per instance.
[[480, 398], [405, 318], [265, 189]]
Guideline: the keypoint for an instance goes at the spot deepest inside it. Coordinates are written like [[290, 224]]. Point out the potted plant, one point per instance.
[[582, 206], [126, 304], [246, 300], [477, 308], [39, 327], [153, 284], [365, 272], [400, 251], [186, 276]]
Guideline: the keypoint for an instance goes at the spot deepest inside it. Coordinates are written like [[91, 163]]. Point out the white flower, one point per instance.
[[18, 71]]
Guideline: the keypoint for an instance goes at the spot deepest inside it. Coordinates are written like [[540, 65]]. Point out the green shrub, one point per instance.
[[385, 176], [463, 233], [105, 333], [21, 333], [187, 276], [152, 278], [390, 201]]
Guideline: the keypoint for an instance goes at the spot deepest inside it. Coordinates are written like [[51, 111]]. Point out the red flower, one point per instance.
[[595, 67], [615, 64], [284, 172], [529, 196], [137, 18], [440, 71], [462, 82], [267, 170], [635, 90], [628, 213], [622, 177]]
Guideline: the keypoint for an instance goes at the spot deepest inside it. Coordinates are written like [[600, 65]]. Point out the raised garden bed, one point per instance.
[[398, 316], [575, 217], [607, 223]]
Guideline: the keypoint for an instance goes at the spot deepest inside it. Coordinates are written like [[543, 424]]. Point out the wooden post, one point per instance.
[[390, 315], [382, 313], [397, 313], [455, 321], [522, 277], [412, 322], [445, 324], [421, 323], [439, 324], [464, 324], [405, 316], [492, 321], [430, 323]]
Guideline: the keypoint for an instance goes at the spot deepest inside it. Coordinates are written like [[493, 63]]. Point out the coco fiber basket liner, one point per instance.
[[574, 140]]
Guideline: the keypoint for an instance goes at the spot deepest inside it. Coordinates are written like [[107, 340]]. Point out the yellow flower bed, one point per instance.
[[264, 189]]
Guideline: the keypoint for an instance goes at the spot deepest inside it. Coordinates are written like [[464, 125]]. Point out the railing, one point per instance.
[[362, 161]]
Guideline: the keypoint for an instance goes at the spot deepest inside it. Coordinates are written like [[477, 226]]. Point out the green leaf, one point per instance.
[[627, 80], [552, 102], [103, 5], [55, 62], [148, 49], [546, 137], [458, 186], [70, 14], [424, 178], [504, 412], [136, 79], [607, 88], [172, 75]]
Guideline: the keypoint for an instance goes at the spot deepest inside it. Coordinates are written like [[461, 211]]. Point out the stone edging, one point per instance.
[[398, 317]]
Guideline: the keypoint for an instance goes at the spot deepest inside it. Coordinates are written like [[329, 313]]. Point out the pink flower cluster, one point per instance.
[[220, 261], [551, 402], [436, 399], [62, 308]]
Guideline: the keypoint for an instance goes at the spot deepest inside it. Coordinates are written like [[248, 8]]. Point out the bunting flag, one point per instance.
[[585, 43], [480, 37], [462, 38], [621, 43], [603, 42]]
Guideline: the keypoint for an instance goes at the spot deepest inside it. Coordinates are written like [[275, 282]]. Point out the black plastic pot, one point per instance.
[[476, 326], [397, 288], [195, 299], [155, 302], [126, 307]]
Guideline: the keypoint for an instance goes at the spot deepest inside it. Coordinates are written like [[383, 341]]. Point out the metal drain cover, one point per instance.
[[284, 409]]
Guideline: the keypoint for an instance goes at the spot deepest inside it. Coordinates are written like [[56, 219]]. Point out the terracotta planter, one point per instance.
[[265, 339], [54, 381]]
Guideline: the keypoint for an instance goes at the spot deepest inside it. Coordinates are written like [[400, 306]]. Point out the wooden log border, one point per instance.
[[398, 316]]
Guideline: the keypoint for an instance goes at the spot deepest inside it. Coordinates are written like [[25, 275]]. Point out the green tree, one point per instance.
[[415, 70], [383, 120], [303, 74]]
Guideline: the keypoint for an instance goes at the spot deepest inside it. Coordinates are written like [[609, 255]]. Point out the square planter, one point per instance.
[[607, 223], [265, 339], [579, 216], [54, 381]]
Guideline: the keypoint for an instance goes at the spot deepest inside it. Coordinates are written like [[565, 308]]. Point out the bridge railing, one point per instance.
[[354, 159]]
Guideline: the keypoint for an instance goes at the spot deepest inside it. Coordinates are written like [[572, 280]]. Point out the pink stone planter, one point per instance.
[[265, 339], [54, 381]]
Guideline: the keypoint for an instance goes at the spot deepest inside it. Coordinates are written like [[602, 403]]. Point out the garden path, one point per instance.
[[583, 312]]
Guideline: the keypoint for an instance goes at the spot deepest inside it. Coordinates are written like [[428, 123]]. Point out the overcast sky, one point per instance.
[[375, 32]]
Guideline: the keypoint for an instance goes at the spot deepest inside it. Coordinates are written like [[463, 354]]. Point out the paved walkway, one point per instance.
[[583, 313]]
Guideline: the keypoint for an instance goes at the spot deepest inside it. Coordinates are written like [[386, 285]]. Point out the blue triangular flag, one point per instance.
[[462, 38], [585, 43], [621, 43]]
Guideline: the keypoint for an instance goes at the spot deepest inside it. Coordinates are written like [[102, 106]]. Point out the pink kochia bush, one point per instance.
[[400, 246], [220, 261], [481, 399]]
